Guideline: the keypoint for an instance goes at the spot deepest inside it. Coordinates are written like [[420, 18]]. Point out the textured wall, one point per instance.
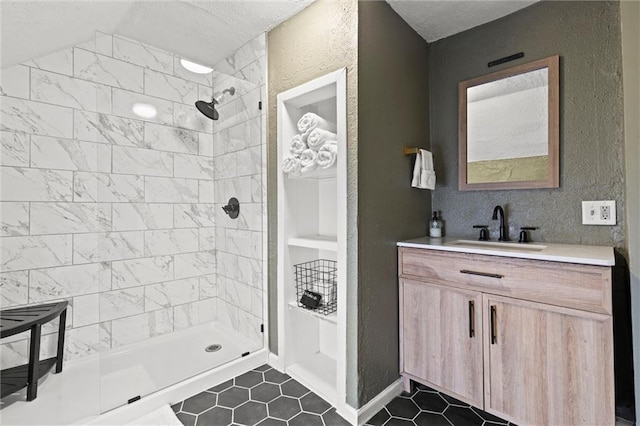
[[117, 214], [393, 111], [630, 14], [320, 39], [591, 148]]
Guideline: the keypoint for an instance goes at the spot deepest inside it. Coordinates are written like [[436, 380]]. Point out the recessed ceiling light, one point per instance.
[[196, 68], [144, 110]]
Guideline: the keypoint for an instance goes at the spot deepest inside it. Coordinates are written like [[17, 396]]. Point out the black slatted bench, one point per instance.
[[17, 320]]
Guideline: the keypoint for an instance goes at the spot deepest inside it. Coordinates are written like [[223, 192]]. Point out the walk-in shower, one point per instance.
[[209, 108], [119, 212]]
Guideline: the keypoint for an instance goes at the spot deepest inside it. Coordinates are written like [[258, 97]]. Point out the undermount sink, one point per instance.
[[494, 245]]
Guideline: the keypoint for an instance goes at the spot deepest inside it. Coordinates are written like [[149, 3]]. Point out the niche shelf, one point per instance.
[[332, 318], [312, 225], [319, 242], [329, 173]]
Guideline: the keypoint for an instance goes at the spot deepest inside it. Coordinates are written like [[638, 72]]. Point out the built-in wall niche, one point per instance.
[[312, 226], [322, 103]]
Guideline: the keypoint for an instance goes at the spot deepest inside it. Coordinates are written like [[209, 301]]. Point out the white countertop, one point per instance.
[[568, 253]]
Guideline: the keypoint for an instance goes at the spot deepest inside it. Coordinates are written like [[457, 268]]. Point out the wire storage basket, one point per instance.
[[316, 285]]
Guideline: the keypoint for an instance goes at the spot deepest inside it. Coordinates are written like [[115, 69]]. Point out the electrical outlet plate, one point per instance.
[[599, 212]]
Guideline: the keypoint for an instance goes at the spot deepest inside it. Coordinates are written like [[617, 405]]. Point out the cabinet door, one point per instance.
[[547, 365], [442, 338]]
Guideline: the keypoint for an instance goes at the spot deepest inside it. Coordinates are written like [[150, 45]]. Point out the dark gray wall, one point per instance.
[[393, 93], [586, 35]]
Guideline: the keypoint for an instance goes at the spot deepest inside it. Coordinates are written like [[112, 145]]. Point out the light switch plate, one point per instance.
[[599, 212]]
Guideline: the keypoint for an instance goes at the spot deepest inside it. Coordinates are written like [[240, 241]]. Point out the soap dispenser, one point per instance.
[[435, 226]]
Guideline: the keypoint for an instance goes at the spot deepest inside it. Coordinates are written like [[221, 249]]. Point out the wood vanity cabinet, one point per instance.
[[528, 340], [442, 338]]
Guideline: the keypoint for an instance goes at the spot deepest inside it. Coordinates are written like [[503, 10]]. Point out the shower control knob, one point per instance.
[[232, 208]]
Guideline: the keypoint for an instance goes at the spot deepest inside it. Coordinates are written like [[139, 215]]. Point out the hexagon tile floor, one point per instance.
[[266, 397], [262, 396], [428, 407]]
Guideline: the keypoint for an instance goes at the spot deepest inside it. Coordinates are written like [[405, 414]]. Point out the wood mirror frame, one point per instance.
[[553, 169]]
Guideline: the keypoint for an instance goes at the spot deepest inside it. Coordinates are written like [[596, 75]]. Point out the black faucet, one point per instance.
[[498, 211]]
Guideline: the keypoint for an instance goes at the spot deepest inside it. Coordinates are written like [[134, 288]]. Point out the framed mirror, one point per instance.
[[509, 128]]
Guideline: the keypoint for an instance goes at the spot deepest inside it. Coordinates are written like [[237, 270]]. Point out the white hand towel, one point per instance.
[[317, 137], [297, 145], [427, 174], [308, 161], [423, 175], [310, 121], [327, 154], [415, 182], [291, 165], [428, 179]]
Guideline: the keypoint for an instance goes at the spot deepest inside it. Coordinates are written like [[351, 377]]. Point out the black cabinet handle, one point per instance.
[[482, 274], [494, 325], [472, 326]]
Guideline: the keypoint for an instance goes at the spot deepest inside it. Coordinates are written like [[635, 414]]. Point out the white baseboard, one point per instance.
[[348, 413], [275, 362], [379, 401], [179, 391]]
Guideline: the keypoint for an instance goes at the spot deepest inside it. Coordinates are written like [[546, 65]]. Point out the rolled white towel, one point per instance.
[[308, 161], [297, 145], [317, 137], [310, 121], [291, 165], [327, 154], [308, 157]]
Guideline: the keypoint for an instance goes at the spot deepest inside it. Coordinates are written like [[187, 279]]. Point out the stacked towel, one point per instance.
[[297, 145], [327, 154], [311, 121], [291, 165], [315, 146], [424, 177], [308, 160], [317, 137]]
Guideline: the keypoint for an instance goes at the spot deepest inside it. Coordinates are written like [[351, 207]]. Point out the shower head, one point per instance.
[[209, 108]]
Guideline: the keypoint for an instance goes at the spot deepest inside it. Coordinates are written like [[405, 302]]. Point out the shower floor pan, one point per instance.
[[99, 383]]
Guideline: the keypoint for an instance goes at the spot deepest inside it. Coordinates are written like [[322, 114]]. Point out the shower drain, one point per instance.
[[213, 348]]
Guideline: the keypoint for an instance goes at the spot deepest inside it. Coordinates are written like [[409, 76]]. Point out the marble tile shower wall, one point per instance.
[[119, 214]]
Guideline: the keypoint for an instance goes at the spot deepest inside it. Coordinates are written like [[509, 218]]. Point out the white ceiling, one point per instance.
[[436, 19], [202, 30]]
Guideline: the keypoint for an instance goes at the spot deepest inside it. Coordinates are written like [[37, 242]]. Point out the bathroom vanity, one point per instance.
[[523, 331]]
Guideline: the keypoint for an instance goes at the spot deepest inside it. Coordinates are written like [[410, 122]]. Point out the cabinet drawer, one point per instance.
[[584, 287]]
